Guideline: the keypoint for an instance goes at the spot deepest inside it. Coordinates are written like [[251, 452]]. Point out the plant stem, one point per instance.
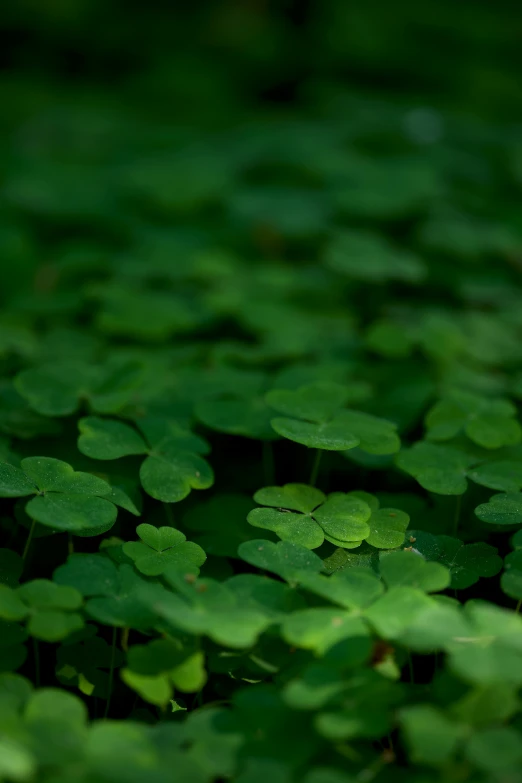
[[29, 538], [268, 463], [125, 639], [169, 514], [111, 672], [518, 606], [315, 467], [456, 517], [70, 544], [36, 653]]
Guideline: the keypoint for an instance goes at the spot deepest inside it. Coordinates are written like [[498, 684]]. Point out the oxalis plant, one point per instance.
[[260, 441]]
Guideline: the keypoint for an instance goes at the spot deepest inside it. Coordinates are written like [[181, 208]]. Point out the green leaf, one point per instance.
[[319, 629], [391, 614], [439, 469], [14, 482], [501, 510], [317, 402], [340, 517], [363, 255], [387, 527], [489, 423], [495, 750], [333, 435], [352, 589], [409, 568], [108, 439], [89, 574], [375, 435], [53, 475], [171, 478], [246, 416], [73, 513], [162, 547], [11, 605], [295, 528], [467, 562], [503, 475], [431, 736], [295, 497], [154, 690], [287, 560], [52, 626]]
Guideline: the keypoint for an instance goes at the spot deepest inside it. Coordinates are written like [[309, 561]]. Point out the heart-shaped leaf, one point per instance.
[[489, 423], [409, 568], [501, 510], [339, 518], [439, 469], [162, 547]]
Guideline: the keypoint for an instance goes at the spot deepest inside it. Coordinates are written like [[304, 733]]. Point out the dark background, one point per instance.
[[208, 56]]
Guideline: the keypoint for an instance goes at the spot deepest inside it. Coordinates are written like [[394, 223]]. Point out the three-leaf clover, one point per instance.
[[160, 548], [488, 422], [58, 389], [65, 499], [48, 608], [304, 515], [173, 466], [314, 416], [112, 590], [467, 562]]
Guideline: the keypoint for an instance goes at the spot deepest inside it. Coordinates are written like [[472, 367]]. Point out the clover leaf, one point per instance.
[[408, 568], [286, 559], [57, 389], [341, 518], [48, 608], [314, 418], [503, 475], [319, 629], [173, 466], [502, 509], [204, 606], [432, 737], [440, 469], [112, 590], [511, 581], [489, 423], [399, 607], [488, 650], [366, 256], [65, 499], [154, 670], [247, 416], [160, 548], [467, 562]]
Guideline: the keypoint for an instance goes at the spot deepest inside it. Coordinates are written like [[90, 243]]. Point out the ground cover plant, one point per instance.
[[260, 392]]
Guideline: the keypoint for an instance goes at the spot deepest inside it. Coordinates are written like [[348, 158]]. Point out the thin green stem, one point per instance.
[[456, 518], [29, 539], [36, 654], [111, 672], [315, 467], [70, 544], [518, 606], [268, 463]]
